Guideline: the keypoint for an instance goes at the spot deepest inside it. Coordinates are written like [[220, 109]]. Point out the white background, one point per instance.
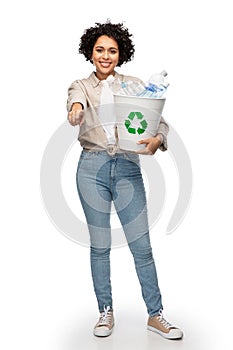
[[47, 301]]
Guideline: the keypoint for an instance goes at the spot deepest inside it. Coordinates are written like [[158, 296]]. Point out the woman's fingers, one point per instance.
[[76, 117]]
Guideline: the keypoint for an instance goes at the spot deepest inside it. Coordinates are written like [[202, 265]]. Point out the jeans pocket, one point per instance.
[[132, 157], [86, 154], [85, 159]]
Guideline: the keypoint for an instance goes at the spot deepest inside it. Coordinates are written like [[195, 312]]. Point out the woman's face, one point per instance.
[[105, 56]]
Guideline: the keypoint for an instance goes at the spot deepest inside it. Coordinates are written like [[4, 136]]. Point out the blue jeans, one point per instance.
[[102, 179]]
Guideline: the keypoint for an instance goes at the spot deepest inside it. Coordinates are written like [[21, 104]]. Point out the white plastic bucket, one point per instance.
[[137, 118]]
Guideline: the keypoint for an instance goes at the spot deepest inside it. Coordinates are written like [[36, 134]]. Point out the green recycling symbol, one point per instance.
[[135, 123]]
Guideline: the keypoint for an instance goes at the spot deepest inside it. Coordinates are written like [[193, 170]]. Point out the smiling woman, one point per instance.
[[106, 173]]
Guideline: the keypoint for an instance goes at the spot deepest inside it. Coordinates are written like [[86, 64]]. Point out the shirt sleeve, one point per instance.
[[163, 129], [76, 94]]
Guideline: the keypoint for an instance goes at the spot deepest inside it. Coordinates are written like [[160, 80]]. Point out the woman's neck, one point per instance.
[[101, 76]]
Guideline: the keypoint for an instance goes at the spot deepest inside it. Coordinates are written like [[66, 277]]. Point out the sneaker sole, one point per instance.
[[166, 335], [102, 332]]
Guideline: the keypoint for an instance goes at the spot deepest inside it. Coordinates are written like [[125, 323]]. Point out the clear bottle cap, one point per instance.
[[164, 73]]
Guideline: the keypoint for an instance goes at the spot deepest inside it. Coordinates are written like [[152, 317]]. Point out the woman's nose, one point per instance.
[[105, 54]]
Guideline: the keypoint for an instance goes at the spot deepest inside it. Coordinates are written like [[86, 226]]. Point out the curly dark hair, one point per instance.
[[116, 31]]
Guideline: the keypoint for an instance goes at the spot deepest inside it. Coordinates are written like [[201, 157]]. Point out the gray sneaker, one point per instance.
[[104, 326], [159, 325]]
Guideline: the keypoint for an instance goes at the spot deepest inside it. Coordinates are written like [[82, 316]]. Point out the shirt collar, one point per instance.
[[95, 81]]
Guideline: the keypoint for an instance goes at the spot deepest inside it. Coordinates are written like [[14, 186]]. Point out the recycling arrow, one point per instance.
[[135, 123]]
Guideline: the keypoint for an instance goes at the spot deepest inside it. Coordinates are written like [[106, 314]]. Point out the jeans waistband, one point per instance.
[[111, 150]]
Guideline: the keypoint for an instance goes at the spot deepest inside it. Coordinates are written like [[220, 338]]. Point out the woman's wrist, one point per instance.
[[160, 136]]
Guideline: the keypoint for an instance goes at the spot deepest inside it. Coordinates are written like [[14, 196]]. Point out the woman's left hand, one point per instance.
[[152, 144]]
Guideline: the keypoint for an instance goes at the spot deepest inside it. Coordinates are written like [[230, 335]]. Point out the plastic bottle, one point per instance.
[[157, 79], [161, 90], [123, 89], [131, 88], [152, 87]]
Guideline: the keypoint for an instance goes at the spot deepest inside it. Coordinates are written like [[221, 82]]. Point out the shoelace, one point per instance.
[[162, 320], [105, 317]]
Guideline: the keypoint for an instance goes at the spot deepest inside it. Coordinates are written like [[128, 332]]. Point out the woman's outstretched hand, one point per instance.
[[152, 144], [75, 116]]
